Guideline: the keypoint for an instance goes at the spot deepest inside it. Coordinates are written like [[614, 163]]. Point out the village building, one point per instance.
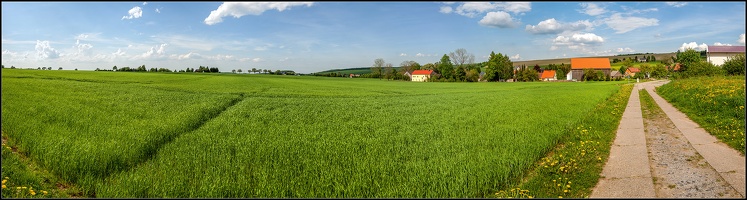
[[421, 75], [717, 55], [631, 71], [548, 75], [579, 64]]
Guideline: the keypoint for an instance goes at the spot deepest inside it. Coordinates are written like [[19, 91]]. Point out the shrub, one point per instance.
[[734, 65]]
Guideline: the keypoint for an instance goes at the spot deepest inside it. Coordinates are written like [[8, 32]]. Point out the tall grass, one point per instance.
[[716, 103], [289, 136]]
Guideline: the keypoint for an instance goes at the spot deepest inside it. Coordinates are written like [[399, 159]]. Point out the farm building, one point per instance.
[[421, 75], [718, 54], [675, 68], [631, 71], [579, 64], [409, 73], [548, 75], [616, 74]]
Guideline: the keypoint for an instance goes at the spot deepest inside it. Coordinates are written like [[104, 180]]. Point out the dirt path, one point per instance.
[[678, 171]]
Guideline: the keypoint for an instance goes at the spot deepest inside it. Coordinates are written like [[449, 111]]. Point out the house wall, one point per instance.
[[719, 58], [420, 78]]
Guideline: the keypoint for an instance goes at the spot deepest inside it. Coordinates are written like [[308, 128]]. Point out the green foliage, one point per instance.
[[499, 67], [687, 59], [527, 74], [716, 103], [735, 65], [226, 135], [702, 68], [446, 68]]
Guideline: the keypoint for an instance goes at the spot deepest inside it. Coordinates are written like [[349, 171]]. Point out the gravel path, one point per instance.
[[678, 171]]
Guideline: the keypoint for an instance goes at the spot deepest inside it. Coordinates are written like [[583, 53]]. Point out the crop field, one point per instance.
[[716, 103], [121, 134]]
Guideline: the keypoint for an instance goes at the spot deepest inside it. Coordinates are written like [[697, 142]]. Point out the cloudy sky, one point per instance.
[[311, 37]]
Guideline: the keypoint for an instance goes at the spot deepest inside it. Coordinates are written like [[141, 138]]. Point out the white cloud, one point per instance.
[[626, 49], [720, 44], [741, 38], [135, 12], [119, 53], [402, 54], [256, 59], [45, 51], [158, 11], [419, 55], [498, 19], [145, 3], [624, 24], [153, 52], [472, 9], [239, 9], [516, 57], [515, 7], [657, 36], [693, 45], [446, 9], [577, 41], [676, 4], [190, 55], [551, 26], [592, 9], [81, 36]]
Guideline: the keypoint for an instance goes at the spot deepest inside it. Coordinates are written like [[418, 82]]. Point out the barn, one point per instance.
[[579, 64], [718, 54]]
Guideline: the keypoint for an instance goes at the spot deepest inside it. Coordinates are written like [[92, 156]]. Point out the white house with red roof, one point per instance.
[[421, 75], [548, 75], [718, 54]]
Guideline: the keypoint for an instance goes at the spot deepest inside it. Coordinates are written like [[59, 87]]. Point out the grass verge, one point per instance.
[[716, 103]]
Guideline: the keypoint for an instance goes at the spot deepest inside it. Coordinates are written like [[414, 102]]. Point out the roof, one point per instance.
[[633, 70], [548, 74], [422, 72], [726, 49], [675, 68], [590, 63]]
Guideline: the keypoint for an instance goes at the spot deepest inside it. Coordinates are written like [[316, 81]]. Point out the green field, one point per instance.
[[118, 134]]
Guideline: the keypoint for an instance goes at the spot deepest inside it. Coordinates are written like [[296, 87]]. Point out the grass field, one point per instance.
[[228, 135], [716, 103]]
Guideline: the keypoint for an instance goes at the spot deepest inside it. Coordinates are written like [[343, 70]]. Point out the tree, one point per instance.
[[658, 70], [460, 73], [409, 65], [60, 68], [76, 69], [498, 67], [687, 59], [622, 69], [277, 72], [233, 71], [428, 66], [646, 69], [472, 75], [43, 68], [254, 70], [589, 75], [239, 70], [446, 68], [114, 68], [376, 68], [653, 58], [734, 65], [389, 71], [461, 57]]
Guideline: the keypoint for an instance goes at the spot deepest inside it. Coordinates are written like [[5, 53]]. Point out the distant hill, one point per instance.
[[557, 61], [359, 70]]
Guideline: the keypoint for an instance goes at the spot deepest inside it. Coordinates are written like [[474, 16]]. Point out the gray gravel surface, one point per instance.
[[677, 169]]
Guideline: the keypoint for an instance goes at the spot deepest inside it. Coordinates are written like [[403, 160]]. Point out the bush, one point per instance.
[[734, 65], [703, 69]]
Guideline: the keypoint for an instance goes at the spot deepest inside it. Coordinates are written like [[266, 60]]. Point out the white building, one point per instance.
[[718, 54]]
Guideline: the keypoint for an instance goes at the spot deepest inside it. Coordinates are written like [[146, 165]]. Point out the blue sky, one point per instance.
[[316, 36]]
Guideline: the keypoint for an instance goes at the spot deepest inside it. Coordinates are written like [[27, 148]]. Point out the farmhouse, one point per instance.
[[421, 75], [548, 75], [409, 73], [675, 68], [718, 54], [579, 64], [615, 74], [631, 71]]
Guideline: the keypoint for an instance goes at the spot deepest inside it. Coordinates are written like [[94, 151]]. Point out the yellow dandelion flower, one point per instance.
[[4, 187], [5, 181], [44, 192], [32, 192], [566, 191], [560, 197]]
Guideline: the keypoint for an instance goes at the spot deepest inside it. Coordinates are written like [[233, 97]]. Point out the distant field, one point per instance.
[[120, 134]]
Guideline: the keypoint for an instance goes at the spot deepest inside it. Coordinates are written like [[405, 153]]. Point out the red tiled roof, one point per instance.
[[634, 70], [593, 63], [422, 72], [726, 49], [548, 74]]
